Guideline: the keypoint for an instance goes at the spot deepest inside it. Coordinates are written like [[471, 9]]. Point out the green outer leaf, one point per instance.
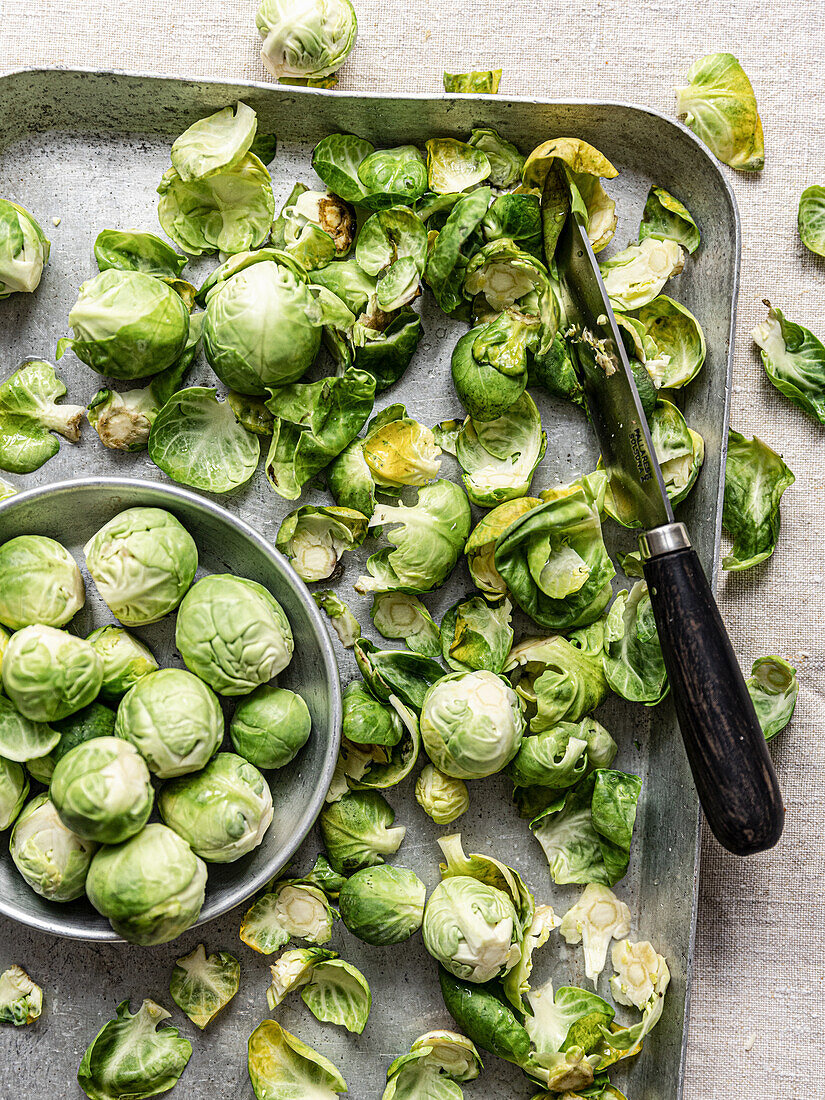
[[201, 985], [485, 82], [397, 672], [811, 219], [506, 162], [666, 218], [773, 687], [676, 333], [719, 105], [794, 361], [402, 757], [130, 251], [338, 993], [336, 159], [281, 1067], [476, 636], [447, 261], [755, 479], [633, 661], [29, 413], [420, 633]]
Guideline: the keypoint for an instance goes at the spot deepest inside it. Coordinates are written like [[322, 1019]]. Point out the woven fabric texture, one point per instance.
[[759, 988]]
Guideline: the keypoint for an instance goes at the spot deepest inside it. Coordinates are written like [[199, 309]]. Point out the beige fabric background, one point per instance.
[[759, 992]]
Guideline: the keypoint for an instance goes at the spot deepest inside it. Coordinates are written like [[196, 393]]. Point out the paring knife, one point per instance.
[[728, 756]]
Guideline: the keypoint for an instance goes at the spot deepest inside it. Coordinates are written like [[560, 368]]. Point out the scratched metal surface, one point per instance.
[[89, 148]]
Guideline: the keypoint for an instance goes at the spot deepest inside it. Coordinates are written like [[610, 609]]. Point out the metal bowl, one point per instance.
[[71, 512]]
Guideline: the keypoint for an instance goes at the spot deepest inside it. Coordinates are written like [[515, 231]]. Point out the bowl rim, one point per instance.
[[70, 927]]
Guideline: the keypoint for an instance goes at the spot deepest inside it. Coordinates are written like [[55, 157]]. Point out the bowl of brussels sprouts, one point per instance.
[[169, 715]]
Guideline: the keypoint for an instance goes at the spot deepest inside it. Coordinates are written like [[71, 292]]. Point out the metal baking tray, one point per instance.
[[89, 148]]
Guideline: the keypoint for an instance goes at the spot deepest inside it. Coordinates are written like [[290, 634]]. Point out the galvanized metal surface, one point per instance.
[[90, 148]]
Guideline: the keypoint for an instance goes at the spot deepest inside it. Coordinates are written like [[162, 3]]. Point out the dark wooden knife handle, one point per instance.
[[732, 769]]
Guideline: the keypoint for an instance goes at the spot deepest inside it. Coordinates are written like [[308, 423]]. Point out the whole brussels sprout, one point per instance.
[[150, 887], [173, 720], [102, 790], [52, 859], [49, 674], [39, 583], [142, 562], [14, 789], [260, 330], [307, 40], [125, 660], [440, 796], [233, 633], [221, 812], [127, 324], [270, 726], [472, 929], [471, 724], [24, 250], [382, 905]]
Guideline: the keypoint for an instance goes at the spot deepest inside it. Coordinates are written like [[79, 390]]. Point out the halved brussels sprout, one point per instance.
[[132, 251], [634, 276], [719, 105], [560, 756], [233, 633], [150, 887], [125, 660], [440, 796], [129, 1055], [21, 1000], [201, 985], [306, 41], [480, 546], [472, 929], [356, 831], [633, 661], [811, 219], [515, 217], [667, 219], [222, 812], [218, 141], [479, 83], [506, 162], [338, 993], [498, 457], [292, 908], [476, 636], [14, 790], [454, 166], [102, 790], [39, 583], [173, 719], [773, 688], [29, 414], [366, 721], [559, 679], [597, 918], [280, 1065], [142, 562], [456, 242], [342, 620], [270, 726], [49, 674], [794, 361], [24, 250], [679, 342], [427, 539], [230, 210], [313, 539], [52, 859], [401, 452], [400, 615]]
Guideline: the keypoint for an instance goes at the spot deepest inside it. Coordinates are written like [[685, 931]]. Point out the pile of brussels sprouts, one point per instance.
[[114, 737]]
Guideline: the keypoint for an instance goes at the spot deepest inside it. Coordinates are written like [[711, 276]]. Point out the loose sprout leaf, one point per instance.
[[14, 790], [517, 982], [679, 350], [392, 176], [6, 489], [401, 452], [323, 876], [506, 162], [475, 635], [773, 688], [281, 1067], [132, 251], [811, 218], [24, 250], [634, 276], [454, 165], [197, 441], [755, 480], [398, 615], [633, 661], [577, 156], [667, 219], [398, 672], [292, 970], [477, 83], [485, 1018], [344, 623], [552, 1018], [559, 679], [290, 909], [337, 993], [451, 252], [559, 757], [214, 143], [794, 360], [201, 985], [719, 105], [21, 999], [336, 160], [306, 43], [498, 457], [30, 413]]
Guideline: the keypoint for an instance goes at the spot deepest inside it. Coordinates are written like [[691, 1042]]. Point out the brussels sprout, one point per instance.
[[489, 364], [397, 672], [281, 1066], [667, 219], [261, 328], [498, 457], [292, 970], [313, 539], [201, 985], [554, 562], [215, 142], [270, 726], [476, 636], [794, 361], [454, 166], [490, 871], [756, 479], [560, 756], [342, 620], [336, 159], [399, 615], [196, 440], [425, 545], [597, 918], [52, 859], [471, 724], [401, 452], [14, 790], [92, 721], [454, 245], [130, 1057], [24, 250], [29, 413], [49, 674], [150, 887], [811, 219], [633, 661], [634, 276], [586, 832], [479, 83], [125, 660], [132, 251], [102, 790], [230, 210], [678, 342], [504, 274], [142, 561], [773, 688], [471, 929], [484, 1017], [314, 422], [219, 611], [366, 721], [560, 679], [506, 162], [309, 40], [337, 993], [357, 833], [440, 796], [173, 720], [21, 1000], [382, 905], [719, 105], [39, 583], [291, 908]]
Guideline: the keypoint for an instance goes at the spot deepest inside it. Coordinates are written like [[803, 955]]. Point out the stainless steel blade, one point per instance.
[[612, 397]]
